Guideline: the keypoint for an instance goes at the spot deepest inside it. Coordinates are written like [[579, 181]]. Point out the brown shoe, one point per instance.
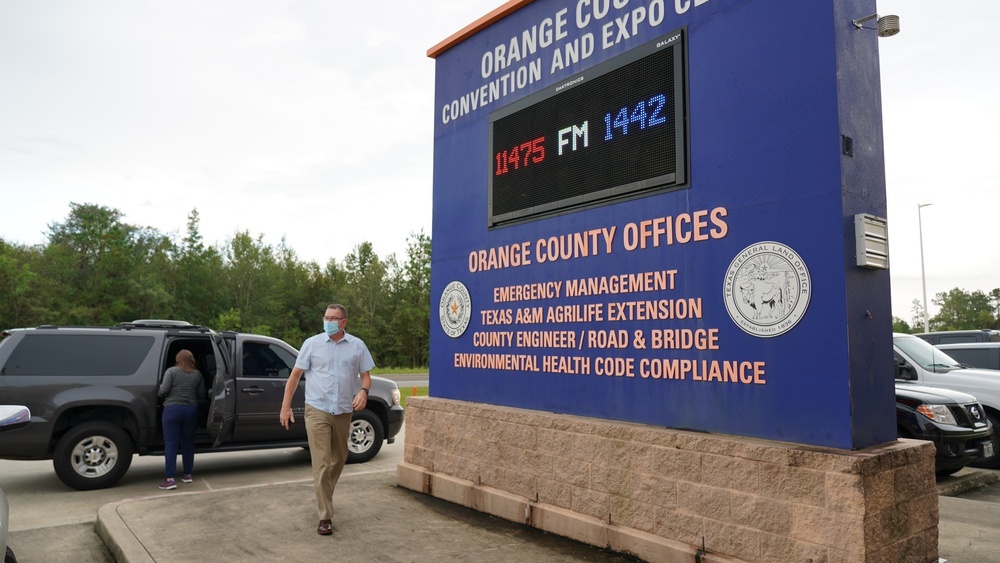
[[325, 528]]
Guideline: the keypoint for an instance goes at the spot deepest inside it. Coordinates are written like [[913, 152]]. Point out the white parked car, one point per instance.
[[11, 418]]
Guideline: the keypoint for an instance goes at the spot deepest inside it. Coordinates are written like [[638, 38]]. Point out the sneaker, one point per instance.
[[168, 484], [187, 478]]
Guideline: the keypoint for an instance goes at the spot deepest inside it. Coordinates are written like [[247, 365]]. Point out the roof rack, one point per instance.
[[157, 323]]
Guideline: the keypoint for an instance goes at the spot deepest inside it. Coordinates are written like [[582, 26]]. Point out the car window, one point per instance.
[[955, 339], [78, 354], [924, 354], [973, 356], [266, 360]]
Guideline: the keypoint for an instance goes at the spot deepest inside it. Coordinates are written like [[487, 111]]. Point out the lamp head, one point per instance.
[[887, 25]]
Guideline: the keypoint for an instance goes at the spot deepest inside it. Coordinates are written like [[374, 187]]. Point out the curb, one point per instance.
[[118, 537], [967, 480]]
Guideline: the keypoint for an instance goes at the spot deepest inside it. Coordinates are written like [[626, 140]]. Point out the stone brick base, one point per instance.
[[664, 495]]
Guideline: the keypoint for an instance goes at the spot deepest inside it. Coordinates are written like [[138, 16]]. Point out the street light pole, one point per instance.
[[923, 277]]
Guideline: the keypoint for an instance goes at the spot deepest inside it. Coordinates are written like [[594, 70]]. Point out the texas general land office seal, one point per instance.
[[767, 289], [455, 309]]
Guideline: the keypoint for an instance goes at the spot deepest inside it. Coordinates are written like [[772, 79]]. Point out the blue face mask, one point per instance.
[[331, 327]]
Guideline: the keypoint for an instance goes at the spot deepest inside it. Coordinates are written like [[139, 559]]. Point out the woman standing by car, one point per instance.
[[182, 388]]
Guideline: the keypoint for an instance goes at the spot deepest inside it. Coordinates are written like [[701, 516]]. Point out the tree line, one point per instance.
[[97, 270], [957, 310]]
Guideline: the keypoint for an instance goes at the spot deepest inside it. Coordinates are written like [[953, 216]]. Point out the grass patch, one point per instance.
[[408, 391], [383, 371]]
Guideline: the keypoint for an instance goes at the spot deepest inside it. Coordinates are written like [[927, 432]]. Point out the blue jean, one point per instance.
[[179, 422]]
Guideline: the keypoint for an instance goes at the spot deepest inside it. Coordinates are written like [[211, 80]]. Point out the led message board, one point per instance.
[[612, 131]]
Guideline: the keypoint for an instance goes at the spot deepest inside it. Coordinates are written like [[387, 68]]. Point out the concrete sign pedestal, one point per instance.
[[664, 495]]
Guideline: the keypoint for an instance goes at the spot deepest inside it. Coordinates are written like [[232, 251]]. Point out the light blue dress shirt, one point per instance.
[[332, 370]]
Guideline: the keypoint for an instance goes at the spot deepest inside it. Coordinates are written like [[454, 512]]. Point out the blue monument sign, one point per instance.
[[645, 211]]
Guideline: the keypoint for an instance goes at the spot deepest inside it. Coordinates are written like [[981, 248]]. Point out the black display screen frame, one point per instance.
[[646, 163]]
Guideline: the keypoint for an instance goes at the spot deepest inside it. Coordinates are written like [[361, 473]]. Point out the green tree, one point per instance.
[[228, 320], [92, 258], [411, 317], [151, 284], [366, 295], [899, 325], [995, 307], [321, 288], [918, 315], [961, 310], [198, 293], [250, 272], [96, 269], [17, 282], [299, 296]]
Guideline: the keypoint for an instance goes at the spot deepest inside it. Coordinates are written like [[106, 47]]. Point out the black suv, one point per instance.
[[956, 336], [92, 392], [954, 421]]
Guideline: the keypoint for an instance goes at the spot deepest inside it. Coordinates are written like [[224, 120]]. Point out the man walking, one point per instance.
[[332, 362]]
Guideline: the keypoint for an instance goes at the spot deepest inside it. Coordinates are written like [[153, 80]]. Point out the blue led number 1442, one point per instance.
[[644, 114]]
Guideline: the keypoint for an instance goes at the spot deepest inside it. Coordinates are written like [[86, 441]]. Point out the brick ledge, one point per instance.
[[549, 518]]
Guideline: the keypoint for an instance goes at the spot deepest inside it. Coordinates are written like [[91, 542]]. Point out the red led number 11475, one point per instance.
[[529, 152]]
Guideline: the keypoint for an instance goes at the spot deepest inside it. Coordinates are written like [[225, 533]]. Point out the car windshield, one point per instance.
[[924, 354]]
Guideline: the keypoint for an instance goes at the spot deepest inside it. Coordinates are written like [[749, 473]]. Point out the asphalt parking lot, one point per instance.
[[263, 501]]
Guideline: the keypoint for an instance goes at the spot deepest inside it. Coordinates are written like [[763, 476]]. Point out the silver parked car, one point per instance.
[[12, 417]]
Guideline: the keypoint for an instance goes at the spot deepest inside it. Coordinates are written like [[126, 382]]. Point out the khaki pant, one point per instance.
[[328, 435]]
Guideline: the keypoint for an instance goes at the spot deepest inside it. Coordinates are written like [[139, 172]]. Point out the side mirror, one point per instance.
[[13, 417], [905, 372]]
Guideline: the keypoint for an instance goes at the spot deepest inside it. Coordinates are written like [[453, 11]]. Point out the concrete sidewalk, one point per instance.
[[374, 520], [377, 521]]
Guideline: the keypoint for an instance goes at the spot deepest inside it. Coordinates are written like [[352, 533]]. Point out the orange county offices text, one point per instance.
[[683, 228]]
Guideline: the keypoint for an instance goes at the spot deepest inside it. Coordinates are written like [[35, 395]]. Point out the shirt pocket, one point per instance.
[[349, 366], [320, 362]]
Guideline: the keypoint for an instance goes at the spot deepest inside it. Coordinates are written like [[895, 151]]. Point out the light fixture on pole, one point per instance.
[[887, 25], [923, 277]]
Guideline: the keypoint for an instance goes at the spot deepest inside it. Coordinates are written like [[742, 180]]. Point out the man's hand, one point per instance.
[[286, 417], [360, 400]]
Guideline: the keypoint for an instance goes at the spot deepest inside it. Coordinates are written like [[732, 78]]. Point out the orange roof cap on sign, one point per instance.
[[472, 28]]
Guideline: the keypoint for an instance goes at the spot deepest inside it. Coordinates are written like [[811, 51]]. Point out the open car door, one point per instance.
[[222, 411]]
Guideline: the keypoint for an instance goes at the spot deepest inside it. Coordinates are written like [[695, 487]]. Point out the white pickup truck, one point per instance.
[[916, 360]]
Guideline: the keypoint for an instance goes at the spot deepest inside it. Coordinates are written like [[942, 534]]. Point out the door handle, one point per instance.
[[252, 390]]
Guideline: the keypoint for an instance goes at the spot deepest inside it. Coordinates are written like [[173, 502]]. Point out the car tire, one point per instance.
[[947, 472], [991, 462], [92, 455], [9, 557], [366, 437]]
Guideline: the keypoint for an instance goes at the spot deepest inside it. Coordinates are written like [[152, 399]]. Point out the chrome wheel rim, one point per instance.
[[362, 436], [94, 456]]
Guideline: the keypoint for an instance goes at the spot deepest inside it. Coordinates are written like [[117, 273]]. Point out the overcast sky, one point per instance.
[[313, 121]]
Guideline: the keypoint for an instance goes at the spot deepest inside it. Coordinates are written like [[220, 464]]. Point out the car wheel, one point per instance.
[[93, 455], [9, 557], [947, 472], [991, 462], [366, 437]]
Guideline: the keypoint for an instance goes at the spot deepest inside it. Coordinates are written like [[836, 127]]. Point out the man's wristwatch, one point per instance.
[[365, 389]]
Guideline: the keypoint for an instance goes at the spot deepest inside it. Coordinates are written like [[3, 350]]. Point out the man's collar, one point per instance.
[[346, 337]]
